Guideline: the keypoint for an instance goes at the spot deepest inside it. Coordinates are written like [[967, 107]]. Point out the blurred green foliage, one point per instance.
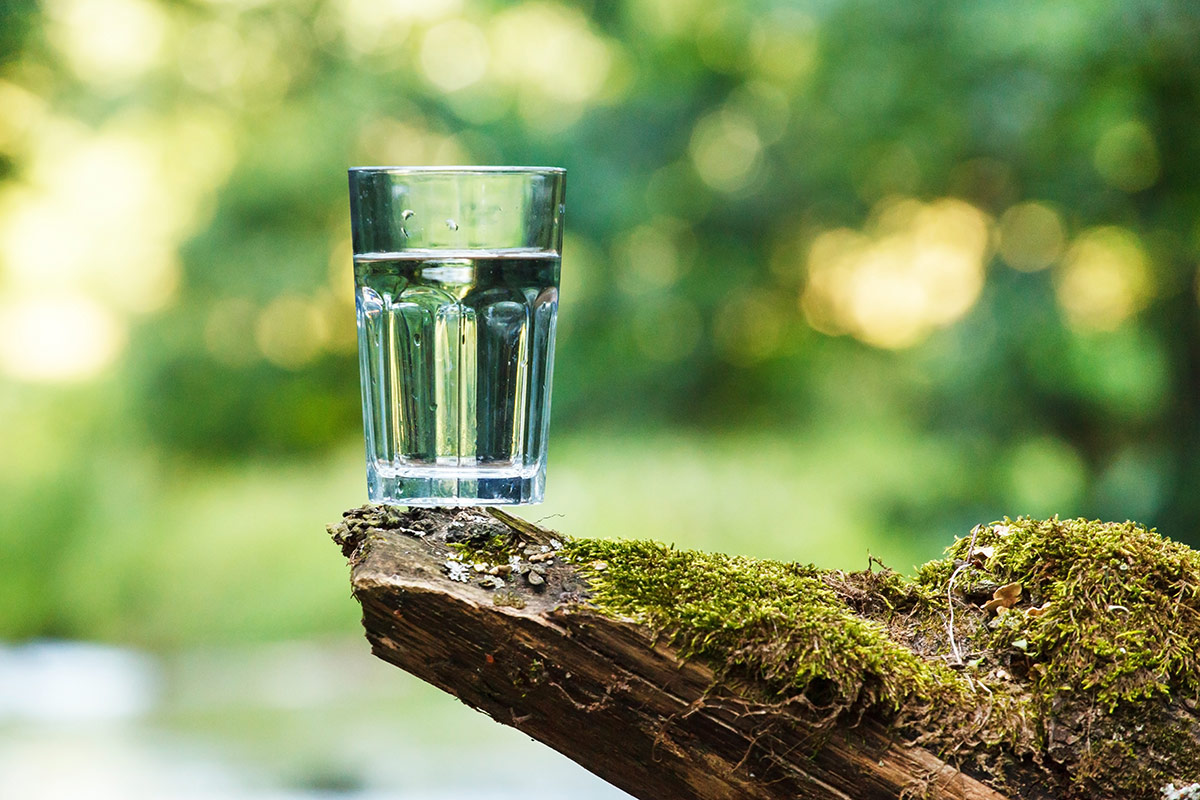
[[878, 270]]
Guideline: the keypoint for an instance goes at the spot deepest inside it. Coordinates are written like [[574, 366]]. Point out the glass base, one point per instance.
[[454, 488]]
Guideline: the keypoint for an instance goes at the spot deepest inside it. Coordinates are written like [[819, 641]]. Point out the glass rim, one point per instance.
[[459, 170]]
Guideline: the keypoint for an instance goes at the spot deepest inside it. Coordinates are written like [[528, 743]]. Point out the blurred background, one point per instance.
[[842, 277]]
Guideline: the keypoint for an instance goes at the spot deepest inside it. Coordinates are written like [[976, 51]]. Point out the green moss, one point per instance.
[[1078, 673], [780, 623], [1092, 673], [1123, 614]]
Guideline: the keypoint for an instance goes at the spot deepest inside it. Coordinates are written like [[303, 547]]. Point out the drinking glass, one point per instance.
[[456, 289]]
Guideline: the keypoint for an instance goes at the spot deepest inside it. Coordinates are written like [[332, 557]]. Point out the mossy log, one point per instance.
[[1046, 660]]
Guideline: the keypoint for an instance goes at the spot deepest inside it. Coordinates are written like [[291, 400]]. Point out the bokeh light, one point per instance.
[[653, 255], [23, 110], [454, 55], [783, 46], [550, 56], [1104, 279], [377, 26], [726, 150], [57, 337], [917, 267], [666, 18], [1031, 236], [98, 217], [107, 41], [291, 331], [409, 141]]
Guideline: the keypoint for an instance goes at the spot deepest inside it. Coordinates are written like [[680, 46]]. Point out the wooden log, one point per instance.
[[621, 698]]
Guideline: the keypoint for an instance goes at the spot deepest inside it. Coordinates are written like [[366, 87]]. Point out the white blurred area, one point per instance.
[[66, 682], [268, 722]]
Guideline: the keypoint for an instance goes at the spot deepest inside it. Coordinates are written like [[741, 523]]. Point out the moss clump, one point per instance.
[[1091, 670], [779, 623], [1082, 674], [1116, 607]]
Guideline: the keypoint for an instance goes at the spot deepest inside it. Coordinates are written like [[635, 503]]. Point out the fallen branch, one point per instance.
[[683, 675]]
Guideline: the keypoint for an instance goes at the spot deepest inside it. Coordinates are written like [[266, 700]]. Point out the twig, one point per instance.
[[950, 594]]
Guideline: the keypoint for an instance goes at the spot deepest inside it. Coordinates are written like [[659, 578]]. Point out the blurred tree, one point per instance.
[[972, 223]]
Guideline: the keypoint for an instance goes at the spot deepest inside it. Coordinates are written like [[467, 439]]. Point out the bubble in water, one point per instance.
[[406, 213], [451, 224]]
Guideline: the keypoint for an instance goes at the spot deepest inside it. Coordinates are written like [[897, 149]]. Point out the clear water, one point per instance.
[[456, 352]]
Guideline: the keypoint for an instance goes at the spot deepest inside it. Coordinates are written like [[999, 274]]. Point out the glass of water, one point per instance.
[[456, 277]]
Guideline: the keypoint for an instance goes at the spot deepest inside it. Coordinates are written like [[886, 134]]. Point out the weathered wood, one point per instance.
[[607, 695], [610, 695]]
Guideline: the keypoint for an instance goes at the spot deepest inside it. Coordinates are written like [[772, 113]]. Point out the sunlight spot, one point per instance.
[[725, 150], [104, 212], [550, 51], [198, 152], [273, 53], [666, 19], [649, 256], [106, 41], [373, 26], [783, 46], [291, 331], [212, 56], [766, 104], [916, 268], [236, 5], [390, 141], [341, 266], [57, 337], [581, 267], [1031, 236], [1104, 279], [454, 55], [449, 150], [338, 310], [22, 110], [546, 115]]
